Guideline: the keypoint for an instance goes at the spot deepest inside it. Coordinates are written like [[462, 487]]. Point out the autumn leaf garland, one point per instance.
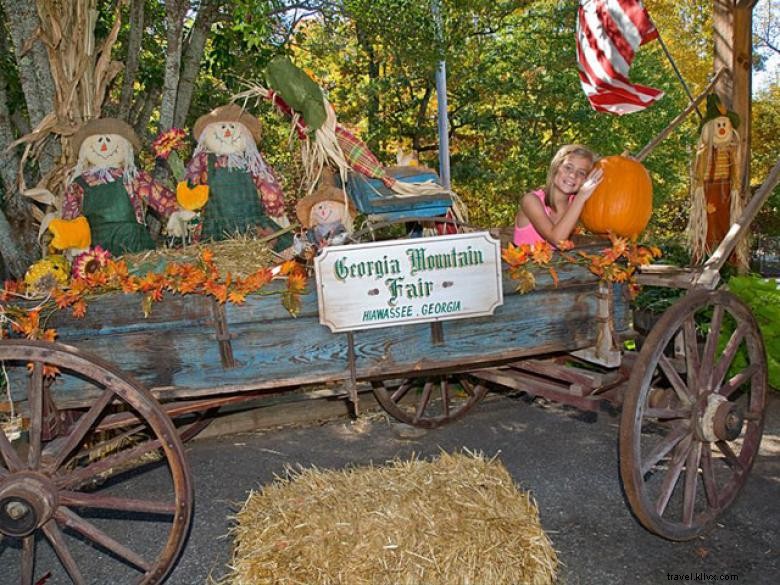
[[615, 264], [201, 278]]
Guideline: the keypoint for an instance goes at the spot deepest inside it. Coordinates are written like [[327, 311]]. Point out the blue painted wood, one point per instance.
[[175, 349]]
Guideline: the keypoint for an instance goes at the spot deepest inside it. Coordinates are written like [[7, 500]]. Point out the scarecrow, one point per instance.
[[327, 219], [716, 179], [326, 143], [107, 196], [244, 195]]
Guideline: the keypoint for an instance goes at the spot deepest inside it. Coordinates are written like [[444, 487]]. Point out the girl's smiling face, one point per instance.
[[224, 138], [105, 150], [571, 174]]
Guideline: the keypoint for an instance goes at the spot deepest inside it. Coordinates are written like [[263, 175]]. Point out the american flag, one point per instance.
[[608, 34]]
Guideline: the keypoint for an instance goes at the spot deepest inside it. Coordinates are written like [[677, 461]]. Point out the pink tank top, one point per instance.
[[528, 234]]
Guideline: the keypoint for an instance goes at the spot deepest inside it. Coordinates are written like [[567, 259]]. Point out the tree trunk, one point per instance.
[[34, 70], [175, 10], [18, 247], [135, 36], [193, 53], [372, 109]]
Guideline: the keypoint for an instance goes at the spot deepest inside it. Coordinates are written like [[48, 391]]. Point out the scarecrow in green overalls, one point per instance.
[[244, 195], [107, 190]]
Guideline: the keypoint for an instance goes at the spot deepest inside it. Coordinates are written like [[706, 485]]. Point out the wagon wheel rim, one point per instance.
[[48, 484], [431, 401], [687, 445]]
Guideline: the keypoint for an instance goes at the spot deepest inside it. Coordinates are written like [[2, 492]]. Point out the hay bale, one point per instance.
[[239, 256], [459, 519]]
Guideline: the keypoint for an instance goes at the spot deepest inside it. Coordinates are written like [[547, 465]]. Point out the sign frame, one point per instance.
[[415, 280]]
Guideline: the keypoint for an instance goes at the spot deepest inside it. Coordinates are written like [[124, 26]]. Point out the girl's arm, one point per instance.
[[556, 232]]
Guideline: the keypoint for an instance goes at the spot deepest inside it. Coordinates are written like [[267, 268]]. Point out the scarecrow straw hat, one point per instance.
[[228, 113], [324, 193], [105, 126]]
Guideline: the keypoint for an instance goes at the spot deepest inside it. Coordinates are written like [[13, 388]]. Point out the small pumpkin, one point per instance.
[[623, 202], [70, 233], [192, 198]]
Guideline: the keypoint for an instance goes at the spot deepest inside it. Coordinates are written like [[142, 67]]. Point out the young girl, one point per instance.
[[551, 213]]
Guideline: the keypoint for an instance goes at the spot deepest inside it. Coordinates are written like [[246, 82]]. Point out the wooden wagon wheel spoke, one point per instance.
[[691, 479], [414, 401], [54, 482], [672, 475], [89, 500], [692, 362], [678, 385], [54, 534], [36, 416], [711, 343], [687, 439], [736, 381], [708, 476], [28, 560], [729, 353], [663, 448], [77, 434], [72, 520], [104, 466], [12, 461]]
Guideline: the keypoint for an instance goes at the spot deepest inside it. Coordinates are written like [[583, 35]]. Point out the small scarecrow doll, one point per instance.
[[107, 196], [716, 180], [327, 216], [244, 195]]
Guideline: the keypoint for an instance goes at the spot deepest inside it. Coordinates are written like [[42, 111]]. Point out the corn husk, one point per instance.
[[459, 519]]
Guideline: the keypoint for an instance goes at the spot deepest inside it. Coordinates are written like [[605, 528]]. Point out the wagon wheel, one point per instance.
[[431, 401], [693, 414], [78, 488]]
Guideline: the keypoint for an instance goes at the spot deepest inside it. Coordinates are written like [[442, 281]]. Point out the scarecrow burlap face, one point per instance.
[[223, 138], [105, 150]]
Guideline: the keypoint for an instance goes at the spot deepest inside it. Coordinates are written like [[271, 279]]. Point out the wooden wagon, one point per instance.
[[691, 423]]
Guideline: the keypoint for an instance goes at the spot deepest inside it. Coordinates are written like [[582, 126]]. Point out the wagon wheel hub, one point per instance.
[[27, 501], [721, 420]]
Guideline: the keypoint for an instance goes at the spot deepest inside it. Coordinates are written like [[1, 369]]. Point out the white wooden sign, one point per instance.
[[363, 286]]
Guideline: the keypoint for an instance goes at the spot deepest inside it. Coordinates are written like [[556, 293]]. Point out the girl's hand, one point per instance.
[[591, 183]]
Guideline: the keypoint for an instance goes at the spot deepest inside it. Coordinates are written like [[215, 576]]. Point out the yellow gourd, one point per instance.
[[70, 233]]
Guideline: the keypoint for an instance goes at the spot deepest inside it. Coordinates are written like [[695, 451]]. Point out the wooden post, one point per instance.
[[732, 34]]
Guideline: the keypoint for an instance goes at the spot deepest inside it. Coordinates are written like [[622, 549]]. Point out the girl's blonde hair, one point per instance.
[[557, 161]]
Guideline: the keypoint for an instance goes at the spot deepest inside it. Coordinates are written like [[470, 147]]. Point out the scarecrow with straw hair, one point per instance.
[[716, 180], [244, 195], [107, 195]]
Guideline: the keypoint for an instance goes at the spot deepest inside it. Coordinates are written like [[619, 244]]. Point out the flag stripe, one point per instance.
[[608, 34]]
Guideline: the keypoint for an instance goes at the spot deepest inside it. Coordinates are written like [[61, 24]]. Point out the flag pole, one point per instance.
[[677, 72], [441, 93]]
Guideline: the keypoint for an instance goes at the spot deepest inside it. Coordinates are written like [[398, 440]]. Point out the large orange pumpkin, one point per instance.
[[623, 201]]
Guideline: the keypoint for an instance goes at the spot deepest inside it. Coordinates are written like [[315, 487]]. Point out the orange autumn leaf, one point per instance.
[[515, 255], [236, 297], [207, 256], [565, 245], [554, 275], [541, 252], [79, 309]]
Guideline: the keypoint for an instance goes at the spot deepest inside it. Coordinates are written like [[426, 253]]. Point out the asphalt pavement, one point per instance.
[[566, 458]]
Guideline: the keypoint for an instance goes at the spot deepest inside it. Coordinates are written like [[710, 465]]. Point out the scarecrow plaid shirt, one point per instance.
[[144, 191], [360, 158], [270, 192]]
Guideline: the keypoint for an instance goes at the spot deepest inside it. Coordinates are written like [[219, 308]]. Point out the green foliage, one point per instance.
[[762, 295]]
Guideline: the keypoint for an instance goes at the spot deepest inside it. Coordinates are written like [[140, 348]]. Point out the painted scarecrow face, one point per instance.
[[721, 130], [327, 211], [225, 137], [105, 150]]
